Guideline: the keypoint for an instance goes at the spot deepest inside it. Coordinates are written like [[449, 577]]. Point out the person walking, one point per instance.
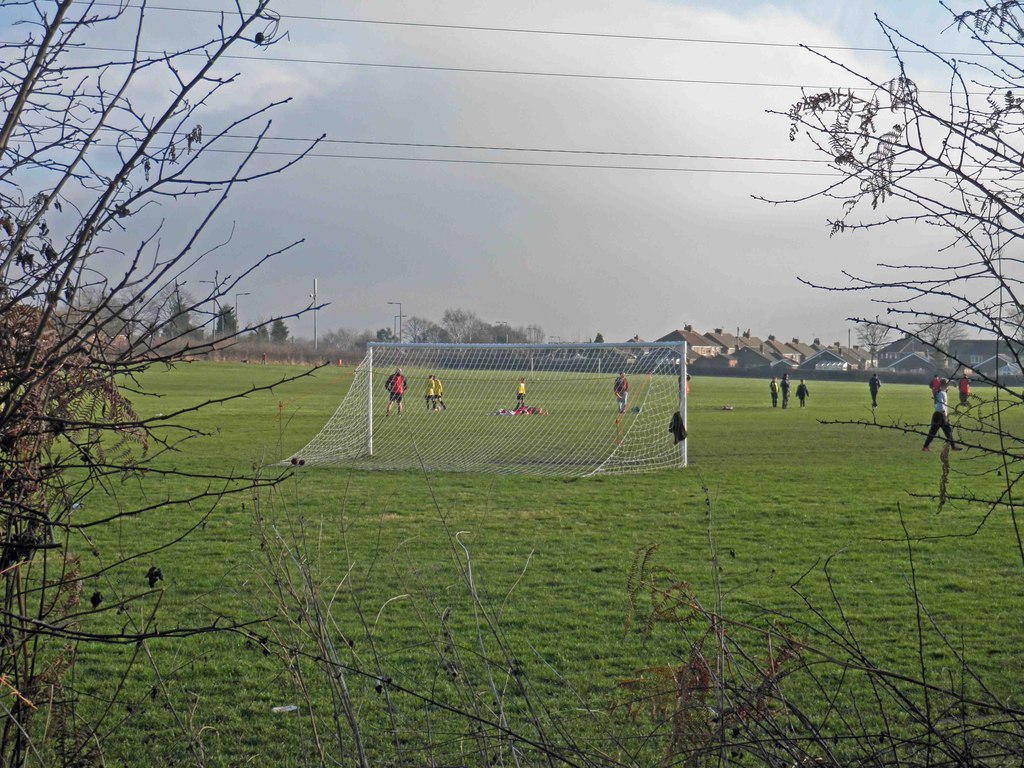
[[773, 387], [785, 390], [429, 397], [439, 395], [395, 385], [874, 384], [940, 418], [965, 390], [621, 389], [802, 393]]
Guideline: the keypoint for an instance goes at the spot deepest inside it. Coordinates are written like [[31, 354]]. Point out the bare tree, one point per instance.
[[950, 157], [873, 335], [80, 164], [462, 325], [416, 328]]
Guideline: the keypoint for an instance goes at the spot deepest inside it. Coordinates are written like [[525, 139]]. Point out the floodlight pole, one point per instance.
[[216, 304], [399, 319], [238, 323]]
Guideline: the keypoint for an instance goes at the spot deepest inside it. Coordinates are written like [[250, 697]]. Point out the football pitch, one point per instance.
[[770, 496]]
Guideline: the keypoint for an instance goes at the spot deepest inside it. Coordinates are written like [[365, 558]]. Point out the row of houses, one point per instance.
[[720, 350]]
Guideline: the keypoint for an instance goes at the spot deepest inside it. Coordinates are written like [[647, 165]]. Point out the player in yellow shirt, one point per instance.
[[521, 394], [430, 393], [439, 395]]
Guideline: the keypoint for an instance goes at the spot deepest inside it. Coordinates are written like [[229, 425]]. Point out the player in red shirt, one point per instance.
[[395, 385]]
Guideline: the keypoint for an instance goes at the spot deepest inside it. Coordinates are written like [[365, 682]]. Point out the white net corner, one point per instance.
[[570, 422]]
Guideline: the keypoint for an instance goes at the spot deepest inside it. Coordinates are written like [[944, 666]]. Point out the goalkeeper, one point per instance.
[[521, 394]]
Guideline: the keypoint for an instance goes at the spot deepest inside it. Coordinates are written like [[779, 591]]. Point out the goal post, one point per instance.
[[584, 409]]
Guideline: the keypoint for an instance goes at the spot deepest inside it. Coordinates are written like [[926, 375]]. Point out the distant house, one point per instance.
[[859, 356], [999, 365], [970, 353], [912, 363], [695, 343], [715, 363], [748, 358], [973, 352], [804, 350], [727, 343], [773, 346], [895, 351], [826, 360], [746, 340]]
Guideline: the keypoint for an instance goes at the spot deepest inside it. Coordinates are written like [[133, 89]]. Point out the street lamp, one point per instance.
[[502, 322], [215, 294], [238, 323], [400, 316]]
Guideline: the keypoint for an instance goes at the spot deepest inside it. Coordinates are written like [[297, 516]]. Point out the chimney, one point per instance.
[[796, 341], [817, 342], [718, 331], [771, 337], [688, 328]]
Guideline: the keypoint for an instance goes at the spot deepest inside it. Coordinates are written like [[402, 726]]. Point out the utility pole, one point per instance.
[[313, 297]]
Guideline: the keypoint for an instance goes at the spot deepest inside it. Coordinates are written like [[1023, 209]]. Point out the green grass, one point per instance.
[[550, 556]]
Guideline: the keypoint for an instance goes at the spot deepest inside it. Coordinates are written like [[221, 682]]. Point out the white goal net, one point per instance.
[[567, 410]]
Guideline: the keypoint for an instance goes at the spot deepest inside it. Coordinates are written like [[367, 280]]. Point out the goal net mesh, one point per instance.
[[567, 424]]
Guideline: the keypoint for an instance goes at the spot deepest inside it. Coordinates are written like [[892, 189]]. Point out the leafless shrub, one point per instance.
[[82, 166]]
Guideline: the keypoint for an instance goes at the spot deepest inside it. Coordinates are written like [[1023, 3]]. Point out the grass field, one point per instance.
[[775, 491]]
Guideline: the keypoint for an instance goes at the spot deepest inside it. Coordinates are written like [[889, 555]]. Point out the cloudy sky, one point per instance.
[[618, 200]]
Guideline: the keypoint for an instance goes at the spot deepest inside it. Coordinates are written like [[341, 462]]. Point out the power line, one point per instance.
[[483, 71], [520, 163], [523, 163], [529, 164], [671, 155], [534, 164], [492, 148], [560, 33]]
